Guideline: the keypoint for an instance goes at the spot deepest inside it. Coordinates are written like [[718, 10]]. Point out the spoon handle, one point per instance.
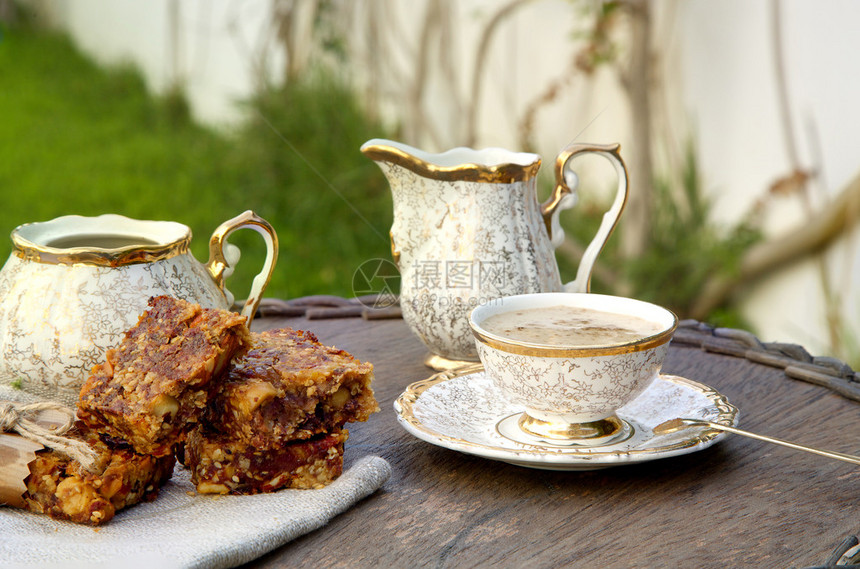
[[837, 455]]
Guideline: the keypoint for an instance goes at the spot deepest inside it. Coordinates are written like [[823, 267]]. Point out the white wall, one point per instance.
[[730, 86], [211, 47]]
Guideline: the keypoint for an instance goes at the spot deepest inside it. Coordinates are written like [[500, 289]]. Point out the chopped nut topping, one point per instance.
[[59, 487], [153, 388]]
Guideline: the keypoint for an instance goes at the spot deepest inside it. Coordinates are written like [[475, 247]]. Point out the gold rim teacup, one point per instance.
[[570, 393]]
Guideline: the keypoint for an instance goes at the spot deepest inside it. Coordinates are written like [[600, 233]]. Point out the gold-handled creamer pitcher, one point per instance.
[[468, 229], [73, 285]]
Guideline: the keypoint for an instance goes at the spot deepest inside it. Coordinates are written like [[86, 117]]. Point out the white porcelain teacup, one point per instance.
[[569, 385]]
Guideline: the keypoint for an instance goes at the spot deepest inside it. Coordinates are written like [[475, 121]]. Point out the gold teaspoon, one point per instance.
[[675, 425]]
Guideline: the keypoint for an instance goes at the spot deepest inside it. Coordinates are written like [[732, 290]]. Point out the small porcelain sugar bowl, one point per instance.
[[73, 285]]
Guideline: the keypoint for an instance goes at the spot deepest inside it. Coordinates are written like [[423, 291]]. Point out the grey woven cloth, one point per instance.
[[181, 529]]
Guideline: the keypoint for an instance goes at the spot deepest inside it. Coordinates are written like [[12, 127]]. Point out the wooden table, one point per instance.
[[739, 503]]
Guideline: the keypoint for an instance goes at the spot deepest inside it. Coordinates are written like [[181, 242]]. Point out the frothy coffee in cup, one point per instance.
[[570, 326]]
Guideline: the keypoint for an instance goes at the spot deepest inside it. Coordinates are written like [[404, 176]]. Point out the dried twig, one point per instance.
[[796, 244], [480, 61]]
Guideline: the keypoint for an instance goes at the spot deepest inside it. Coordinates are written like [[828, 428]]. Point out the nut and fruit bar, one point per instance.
[[153, 388], [59, 487], [221, 465], [289, 386]]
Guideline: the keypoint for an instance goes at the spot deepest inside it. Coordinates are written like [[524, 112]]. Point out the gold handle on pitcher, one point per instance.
[[564, 196]]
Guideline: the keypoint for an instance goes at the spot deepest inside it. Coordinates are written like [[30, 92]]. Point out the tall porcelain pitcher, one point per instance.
[[468, 229]]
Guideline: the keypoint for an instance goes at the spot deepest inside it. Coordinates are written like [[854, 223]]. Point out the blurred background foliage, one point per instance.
[[685, 248], [79, 139]]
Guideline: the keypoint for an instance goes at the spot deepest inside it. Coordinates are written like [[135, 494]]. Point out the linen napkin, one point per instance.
[[182, 529]]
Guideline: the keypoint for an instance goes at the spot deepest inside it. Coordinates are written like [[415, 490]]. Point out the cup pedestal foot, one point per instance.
[[526, 429], [441, 363]]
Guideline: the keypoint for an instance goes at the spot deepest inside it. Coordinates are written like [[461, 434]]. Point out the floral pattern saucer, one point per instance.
[[463, 411]]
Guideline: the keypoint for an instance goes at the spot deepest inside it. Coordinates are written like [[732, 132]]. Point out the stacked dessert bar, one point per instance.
[[155, 386], [63, 489], [247, 413], [277, 420]]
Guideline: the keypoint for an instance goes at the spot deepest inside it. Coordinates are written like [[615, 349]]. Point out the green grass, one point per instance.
[[79, 139]]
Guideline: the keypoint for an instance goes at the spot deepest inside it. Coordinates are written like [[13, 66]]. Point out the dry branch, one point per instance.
[[638, 83], [810, 237], [480, 60]]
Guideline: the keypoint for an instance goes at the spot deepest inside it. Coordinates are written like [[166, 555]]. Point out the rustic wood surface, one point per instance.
[[739, 503]]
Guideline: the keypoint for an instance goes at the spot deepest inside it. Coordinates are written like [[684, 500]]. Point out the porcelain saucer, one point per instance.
[[462, 411]]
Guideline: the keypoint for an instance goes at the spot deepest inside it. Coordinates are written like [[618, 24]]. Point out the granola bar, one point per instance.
[[222, 465], [153, 388], [289, 386], [59, 487]]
